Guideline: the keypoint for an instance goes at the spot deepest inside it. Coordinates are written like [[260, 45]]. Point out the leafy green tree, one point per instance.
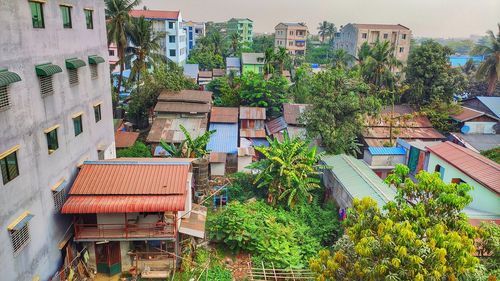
[[326, 30], [139, 149], [378, 66], [301, 89], [206, 59], [493, 154], [117, 17], [255, 91], [430, 76], [262, 42], [281, 58], [289, 170], [269, 61], [190, 147], [488, 246], [489, 69], [322, 54], [226, 90], [235, 42], [341, 59], [340, 101], [144, 50], [422, 235]]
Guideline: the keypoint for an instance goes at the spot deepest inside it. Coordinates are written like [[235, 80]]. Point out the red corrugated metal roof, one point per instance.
[[252, 133], [139, 177], [182, 107], [224, 115], [125, 139], [474, 165], [467, 114], [78, 204], [252, 113], [154, 14], [186, 96], [292, 111]]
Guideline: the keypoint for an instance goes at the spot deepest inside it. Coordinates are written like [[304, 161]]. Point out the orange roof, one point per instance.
[[252, 113], [125, 139], [467, 114], [474, 165], [224, 115], [153, 14], [292, 112], [253, 133]]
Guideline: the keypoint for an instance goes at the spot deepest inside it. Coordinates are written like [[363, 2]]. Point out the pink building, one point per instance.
[[291, 36]]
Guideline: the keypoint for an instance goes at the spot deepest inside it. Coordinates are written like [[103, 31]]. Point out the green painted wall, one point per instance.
[[483, 198], [244, 27], [257, 68]]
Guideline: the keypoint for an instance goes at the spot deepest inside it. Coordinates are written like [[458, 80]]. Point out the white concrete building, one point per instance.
[[170, 22], [55, 111], [194, 31]]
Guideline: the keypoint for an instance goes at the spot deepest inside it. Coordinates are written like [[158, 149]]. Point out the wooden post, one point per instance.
[[274, 272], [263, 270]]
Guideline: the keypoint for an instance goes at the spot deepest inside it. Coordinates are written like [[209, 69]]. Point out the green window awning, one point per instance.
[[47, 69], [95, 59], [7, 77], [74, 63]]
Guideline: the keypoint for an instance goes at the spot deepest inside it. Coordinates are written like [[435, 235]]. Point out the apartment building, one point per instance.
[[353, 35], [194, 31], [55, 110], [292, 37], [243, 27], [170, 22]]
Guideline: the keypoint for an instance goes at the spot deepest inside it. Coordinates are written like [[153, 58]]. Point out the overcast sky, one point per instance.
[[429, 18]]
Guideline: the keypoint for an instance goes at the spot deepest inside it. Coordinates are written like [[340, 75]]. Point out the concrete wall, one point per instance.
[[256, 68], [483, 198], [217, 169], [481, 127], [21, 48], [336, 191], [383, 160]]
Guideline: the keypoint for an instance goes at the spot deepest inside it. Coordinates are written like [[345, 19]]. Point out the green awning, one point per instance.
[[95, 60], [7, 77], [47, 69], [74, 63]]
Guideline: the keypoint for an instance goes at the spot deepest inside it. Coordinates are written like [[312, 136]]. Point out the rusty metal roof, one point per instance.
[[217, 72], [125, 139], [252, 133], [467, 114], [168, 129], [224, 115], [78, 204], [217, 157], [403, 133], [481, 169], [292, 111], [246, 151], [154, 14], [205, 74], [403, 116], [380, 26], [186, 96], [182, 107], [253, 113], [276, 125]]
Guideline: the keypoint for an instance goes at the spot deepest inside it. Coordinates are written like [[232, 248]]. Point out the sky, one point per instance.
[[426, 18]]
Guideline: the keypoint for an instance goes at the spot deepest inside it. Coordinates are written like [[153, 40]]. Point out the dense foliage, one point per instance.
[[205, 59], [493, 154], [205, 265], [422, 235], [139, 149], [489, 70], [261, 43], [288, 171], [488, 246], [340, 101], [284, 238]]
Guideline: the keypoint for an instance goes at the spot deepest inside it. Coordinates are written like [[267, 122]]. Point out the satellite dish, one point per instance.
[[465, 129]]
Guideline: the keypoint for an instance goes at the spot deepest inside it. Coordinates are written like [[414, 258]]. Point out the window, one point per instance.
[[20, 238], [78, 125], [364, 35], [439, 169], [52, 143], [97, 113], [403, 36], [66, 16], [172, 52], [59, 194], [88, 19], [291, 32], [4, 98], [290, 43], [100, 154], [8, 165], [111, 52], [386, 35], [37, 14], [93, 71], [46, 87], [401, 49], [73, 77], [170, 25], [171, 39]]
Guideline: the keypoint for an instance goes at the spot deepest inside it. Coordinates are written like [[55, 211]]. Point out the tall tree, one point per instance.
[[341, 59], [269, 61], [190, 147], [117, 17], [422, 235], [235, 42], [379, 66], [323, 30], [281, 57], [144, 50], [489, 69], [330, 31], [289, 170]]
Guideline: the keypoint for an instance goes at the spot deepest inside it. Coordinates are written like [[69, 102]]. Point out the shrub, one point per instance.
[[139, 149]]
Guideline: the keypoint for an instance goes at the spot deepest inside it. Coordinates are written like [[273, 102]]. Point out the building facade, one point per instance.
[[243, 27], [170, 22], [252, 62], [292, 37], [194, 31], [353, 35], [55, 109]]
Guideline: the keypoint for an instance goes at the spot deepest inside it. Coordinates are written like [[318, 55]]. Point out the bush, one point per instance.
[[242, 188], [139, 149]]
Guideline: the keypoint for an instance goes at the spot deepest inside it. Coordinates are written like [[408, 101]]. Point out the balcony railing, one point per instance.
[[124, 231]]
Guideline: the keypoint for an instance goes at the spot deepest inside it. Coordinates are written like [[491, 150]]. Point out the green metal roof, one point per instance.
[[74, 63], [358, 179], [47, 69], [7, 77], [95, 60]]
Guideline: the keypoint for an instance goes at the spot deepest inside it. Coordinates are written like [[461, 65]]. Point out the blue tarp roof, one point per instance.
[[160, 151], [233, 62], [386, 150], [493, 103], [225, 139]]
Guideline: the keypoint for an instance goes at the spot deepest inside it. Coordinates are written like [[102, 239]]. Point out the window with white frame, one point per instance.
[[46, 87]]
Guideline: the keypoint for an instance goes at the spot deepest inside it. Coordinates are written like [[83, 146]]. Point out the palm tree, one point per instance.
[[281, 57], [217, 42], [341, 59], [363, 52], [378, 67], [190, 147], [235, 42], [117, 17], [489, 69], [269, 61], [331, 30], [145, 49], [323, 30], [289, 170]]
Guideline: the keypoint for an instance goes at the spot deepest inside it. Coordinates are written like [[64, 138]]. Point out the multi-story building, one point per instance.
[[353, 35], [252, 62], [55, 110], [243, 27], [292, 37], [170, 22], [194, 31]]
